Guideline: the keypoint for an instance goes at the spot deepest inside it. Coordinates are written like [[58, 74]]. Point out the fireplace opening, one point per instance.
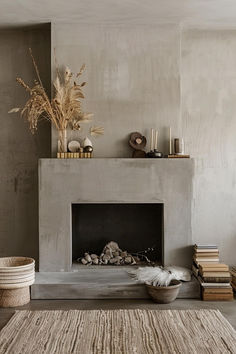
[[134, 227]]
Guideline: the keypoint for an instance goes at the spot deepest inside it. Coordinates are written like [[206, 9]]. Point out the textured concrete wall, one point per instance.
[[19, 150], [138, 77], [132, 75], [155, 76], [208, 91]]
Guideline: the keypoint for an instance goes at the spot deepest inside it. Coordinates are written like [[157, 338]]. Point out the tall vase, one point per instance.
[[62, 140]]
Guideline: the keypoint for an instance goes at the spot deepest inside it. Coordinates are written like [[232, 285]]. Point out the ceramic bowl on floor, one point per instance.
[[164, 294]]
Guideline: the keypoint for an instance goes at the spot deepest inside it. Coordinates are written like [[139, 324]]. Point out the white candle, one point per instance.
[[170, 141], [152, 138], [156, 135]]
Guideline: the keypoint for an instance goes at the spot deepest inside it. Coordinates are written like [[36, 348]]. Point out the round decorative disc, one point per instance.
[[137, 141], [74, 146]]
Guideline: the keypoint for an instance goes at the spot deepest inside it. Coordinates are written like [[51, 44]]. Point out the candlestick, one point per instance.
[[152, 139], [170, 147], [156, 135]]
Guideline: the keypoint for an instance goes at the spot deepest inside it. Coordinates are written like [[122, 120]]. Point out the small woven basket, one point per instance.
[[16, 276]]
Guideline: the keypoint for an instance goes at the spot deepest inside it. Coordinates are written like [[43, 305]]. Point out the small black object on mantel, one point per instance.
[[154, 152], [88, 148], [138, 142]]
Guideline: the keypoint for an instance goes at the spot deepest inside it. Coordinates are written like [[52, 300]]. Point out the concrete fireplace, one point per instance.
[[63, 183], [110, 182]]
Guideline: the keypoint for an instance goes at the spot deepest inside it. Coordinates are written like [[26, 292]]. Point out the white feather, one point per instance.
[[155, 276], [158, 276], [180, 273]]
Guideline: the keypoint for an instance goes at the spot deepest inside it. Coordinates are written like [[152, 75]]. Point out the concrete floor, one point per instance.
[[227, 308]]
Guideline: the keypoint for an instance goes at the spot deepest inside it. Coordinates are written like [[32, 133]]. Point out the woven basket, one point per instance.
[[14, 297], [16, 276], [16, 264]]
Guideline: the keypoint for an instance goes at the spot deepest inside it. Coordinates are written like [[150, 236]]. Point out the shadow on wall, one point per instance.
[[20, 150]]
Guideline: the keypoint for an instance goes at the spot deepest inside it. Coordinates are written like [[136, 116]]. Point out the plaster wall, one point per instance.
[[208, 106], [139, 76], [132, 76], [19, 150], [144, 76]]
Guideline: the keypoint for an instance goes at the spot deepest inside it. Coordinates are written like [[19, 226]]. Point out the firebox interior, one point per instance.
[[135, 227]]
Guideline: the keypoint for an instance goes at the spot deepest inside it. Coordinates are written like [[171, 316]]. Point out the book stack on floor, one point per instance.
[[203, 254], [215, 281], [233, 278], [213, 276]]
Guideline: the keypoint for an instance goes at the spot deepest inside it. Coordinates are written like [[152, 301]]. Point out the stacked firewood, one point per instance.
[[111, 254]]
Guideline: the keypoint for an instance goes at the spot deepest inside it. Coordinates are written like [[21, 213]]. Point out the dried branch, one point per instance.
[[35, 67]]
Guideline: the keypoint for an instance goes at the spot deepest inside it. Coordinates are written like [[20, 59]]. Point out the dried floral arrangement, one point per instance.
[[64, 110]]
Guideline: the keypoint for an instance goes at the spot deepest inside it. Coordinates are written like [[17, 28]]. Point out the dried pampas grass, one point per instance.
[[14, 110], [96, 131], [62, 110]]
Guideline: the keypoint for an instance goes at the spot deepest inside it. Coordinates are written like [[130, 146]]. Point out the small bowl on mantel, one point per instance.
[[164, 294]]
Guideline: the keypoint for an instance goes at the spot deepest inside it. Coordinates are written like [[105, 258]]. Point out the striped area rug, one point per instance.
[[118, 331]]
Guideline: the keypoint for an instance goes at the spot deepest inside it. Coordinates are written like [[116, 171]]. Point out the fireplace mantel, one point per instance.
[[112, 180]]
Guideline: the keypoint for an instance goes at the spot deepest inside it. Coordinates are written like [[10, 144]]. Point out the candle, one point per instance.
[[152, 139], [156, 135], [170, 148]]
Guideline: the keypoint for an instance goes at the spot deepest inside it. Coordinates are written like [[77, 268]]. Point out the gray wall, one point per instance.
[[133, 81], [208, 105], [155, 76], [19, 150], [138, 77]]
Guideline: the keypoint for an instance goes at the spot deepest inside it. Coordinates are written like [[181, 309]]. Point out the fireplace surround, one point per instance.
[[63, 183]]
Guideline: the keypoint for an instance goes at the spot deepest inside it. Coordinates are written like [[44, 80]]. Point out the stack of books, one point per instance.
[[203, 254], [233, 278], [215, 281], [221, 292], [213, 276]]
